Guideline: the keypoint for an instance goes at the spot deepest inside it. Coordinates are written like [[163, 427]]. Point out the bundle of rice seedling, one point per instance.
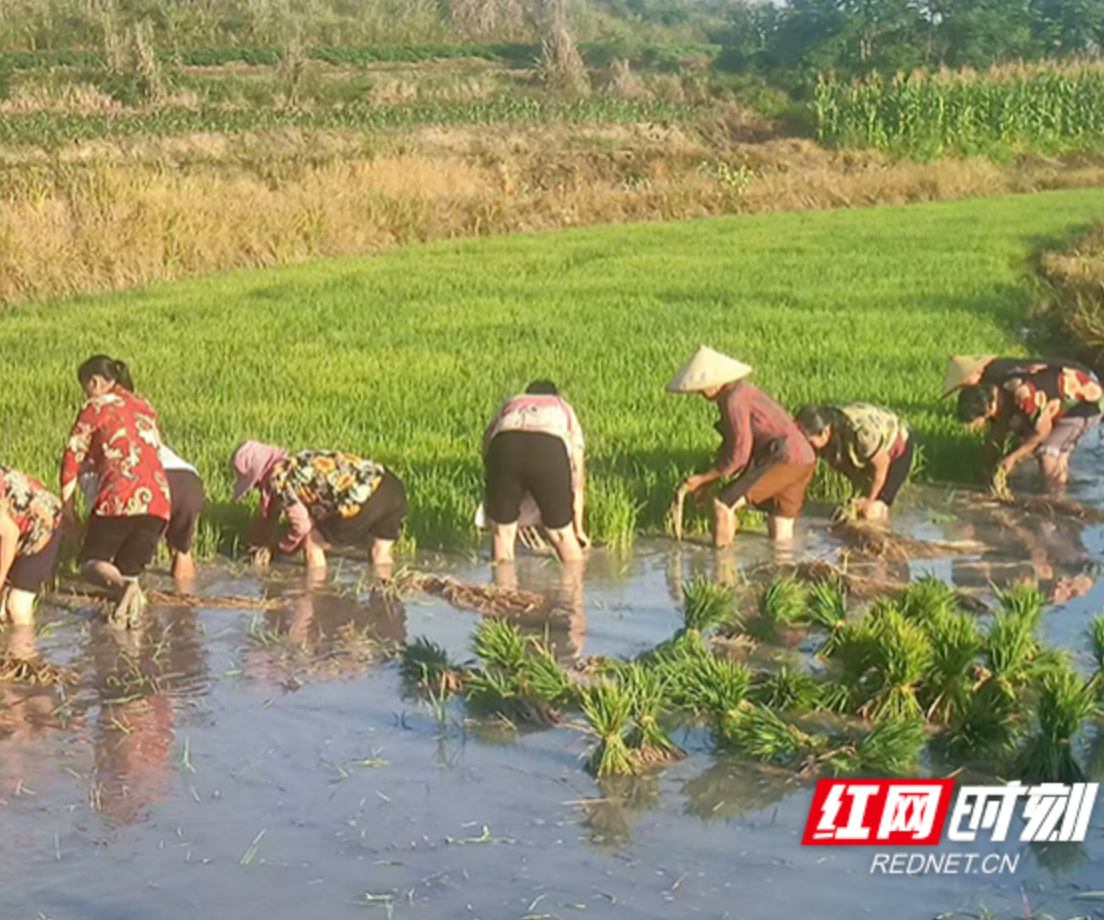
[[646, 737], [541, 676], [608, 709], [1096, 641], [998, 486], [424, 667], [1024, 601], [706, 604], [1010, 649], [785, 689], [827, 603], [785, 601], [852, 653], [926, 598], [954, 673], [891, 748], [699, 682], [902, 655], [499, 643], [762, 734], [35, 671], [497, 694], [1065, 701], [990, 724]]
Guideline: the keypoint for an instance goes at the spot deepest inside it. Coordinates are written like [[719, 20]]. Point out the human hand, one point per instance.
[[262, 558]]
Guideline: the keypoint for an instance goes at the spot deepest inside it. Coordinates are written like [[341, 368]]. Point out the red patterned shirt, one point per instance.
[[34, 510], [117, 436], [750, 420]]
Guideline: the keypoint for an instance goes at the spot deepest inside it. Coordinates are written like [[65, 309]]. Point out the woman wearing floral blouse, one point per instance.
[[30, 535], [329, 497], [117, 435]]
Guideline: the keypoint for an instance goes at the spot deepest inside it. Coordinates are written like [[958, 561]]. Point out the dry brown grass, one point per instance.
[[1074, 312], [107, 215]]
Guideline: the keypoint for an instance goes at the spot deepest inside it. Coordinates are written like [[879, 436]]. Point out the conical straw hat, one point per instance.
[[961, 368], [707, 369]]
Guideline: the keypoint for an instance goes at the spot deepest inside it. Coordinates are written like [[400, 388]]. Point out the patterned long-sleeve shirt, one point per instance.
[[317, 484], [35, 511], [1077, 392], [750, 420], [861, 431], [117, 436]]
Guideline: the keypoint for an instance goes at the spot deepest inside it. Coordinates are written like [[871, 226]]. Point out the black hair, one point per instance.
[[976, 402], [108, 368], [542, 388], [814, 420]]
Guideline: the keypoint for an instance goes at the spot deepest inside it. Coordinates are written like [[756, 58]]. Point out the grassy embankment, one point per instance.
[[404, 356]]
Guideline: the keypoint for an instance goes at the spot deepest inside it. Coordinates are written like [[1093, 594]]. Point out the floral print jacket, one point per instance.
[[36, 512], [324, 483], [117, 436]]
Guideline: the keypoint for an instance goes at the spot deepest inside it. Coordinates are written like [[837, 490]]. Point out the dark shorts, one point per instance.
[[779, 490], [130, 543], [528, 461], [898, 475], [30, 573], [381, 517], [187, 503]]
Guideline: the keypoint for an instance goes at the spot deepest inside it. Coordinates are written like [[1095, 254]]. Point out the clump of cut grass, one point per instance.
[[425, 668], [706, 604], [1065, 701]]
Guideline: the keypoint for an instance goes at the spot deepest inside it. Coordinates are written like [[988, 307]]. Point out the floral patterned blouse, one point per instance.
[[860, 432], [117, 436], [36, 512], [1077, 392], [327, 483]]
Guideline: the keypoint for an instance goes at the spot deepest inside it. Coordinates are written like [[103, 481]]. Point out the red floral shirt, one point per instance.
[[35, 511], [117, 436]]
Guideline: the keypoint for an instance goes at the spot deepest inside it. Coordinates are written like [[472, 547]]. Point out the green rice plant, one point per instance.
[[542, 677], [852, 654], [1025, 602], [1011, 648], [762, 734], [785, 689], [902, 657], [705, 684], [498, 694], [1064, 702], [499, 643], [1096, 644], [706, 604], [990, 725], [647, 737], [891, 748], [785, 601], [953, 672], [425, 667], [926, 598], [608, 709], [827, 604]]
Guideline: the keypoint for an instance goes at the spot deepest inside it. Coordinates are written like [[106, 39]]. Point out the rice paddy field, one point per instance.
[[404, 357]]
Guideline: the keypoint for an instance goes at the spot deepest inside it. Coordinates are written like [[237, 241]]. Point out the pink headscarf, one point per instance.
[[251, 461]]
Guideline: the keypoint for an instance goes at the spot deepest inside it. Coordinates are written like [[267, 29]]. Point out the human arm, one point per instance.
[[75, 458], [1041, 419], [9, 543], [739, 453], [579, 500]]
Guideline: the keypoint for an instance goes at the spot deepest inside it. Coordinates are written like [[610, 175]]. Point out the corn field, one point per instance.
[[964, 112]]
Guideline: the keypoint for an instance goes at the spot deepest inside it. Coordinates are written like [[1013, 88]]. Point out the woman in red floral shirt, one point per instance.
[[117, 435], [30, 536]]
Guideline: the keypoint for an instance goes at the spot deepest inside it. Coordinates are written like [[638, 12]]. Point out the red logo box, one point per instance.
[[878, 812]]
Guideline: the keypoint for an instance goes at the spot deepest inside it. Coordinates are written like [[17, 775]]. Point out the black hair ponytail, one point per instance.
[[108, 368]]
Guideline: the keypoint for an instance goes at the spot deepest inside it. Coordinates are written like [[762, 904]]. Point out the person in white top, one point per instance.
[[534, 447]]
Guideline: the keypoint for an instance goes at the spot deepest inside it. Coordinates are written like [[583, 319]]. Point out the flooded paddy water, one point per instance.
[[264, 763]]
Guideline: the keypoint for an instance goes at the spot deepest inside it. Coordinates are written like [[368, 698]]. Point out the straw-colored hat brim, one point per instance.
[[961, 368], [706, 370]]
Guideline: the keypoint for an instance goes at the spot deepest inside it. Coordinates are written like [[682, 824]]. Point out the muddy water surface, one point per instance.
[[264, 764]]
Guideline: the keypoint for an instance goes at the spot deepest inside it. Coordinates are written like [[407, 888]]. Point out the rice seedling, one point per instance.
[[989, 726], [927, 598], [542, 678], [902, 657], [953, 673], [499, 643], [647, 737], [1096, 641], [425, 667], [608, 709], [785, 601], [827, 604], [700, 682], [785, 689], [1064, 702], [706, 604], [852, 654], [891, 748], [762, 734], [1011, 648], [1025, 602]]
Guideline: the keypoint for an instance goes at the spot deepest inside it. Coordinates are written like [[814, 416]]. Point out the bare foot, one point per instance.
[[129, 609]]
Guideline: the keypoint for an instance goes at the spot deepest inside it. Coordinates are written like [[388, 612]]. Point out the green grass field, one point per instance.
[[404, 357]]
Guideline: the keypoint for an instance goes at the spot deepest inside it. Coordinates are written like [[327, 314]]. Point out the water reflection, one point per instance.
[[321, 635], [563, 584], [731, 788], [141, 679], [611, 819]]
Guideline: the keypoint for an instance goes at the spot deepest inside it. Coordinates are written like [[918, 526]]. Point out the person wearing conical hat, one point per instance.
[[972, 370], [1046, 412], [761, 447]]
